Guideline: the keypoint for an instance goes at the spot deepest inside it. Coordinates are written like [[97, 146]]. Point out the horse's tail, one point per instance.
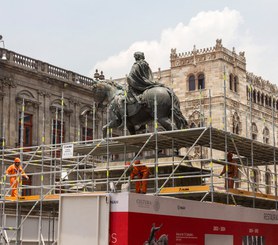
[[178, 117]]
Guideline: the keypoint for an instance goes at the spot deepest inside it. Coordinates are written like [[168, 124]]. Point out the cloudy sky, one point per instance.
[[82, 35]]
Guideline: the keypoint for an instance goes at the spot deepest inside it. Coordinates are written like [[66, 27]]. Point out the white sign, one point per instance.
[[67, 151]]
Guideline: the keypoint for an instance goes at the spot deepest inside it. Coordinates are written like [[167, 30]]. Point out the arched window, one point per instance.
[[191, 83], [254, 131], [236, 123], [277, 105], [269, 101], [262, 99], [266, 135], [259, 97], [254, 96], [231, 81], [236, 84], [201, 81], [268, 182], [266, 100], [255, 177]]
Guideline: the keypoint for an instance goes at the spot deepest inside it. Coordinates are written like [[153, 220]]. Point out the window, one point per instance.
[[254, 96], [56, 132], [262, 99], [266, 100], [87, 135], [192, 83], [201, 81], [27, 129], [266, 135], [259, 97], [255, 178], [268, 182], [254, 131], [236, 84], [231, 81]]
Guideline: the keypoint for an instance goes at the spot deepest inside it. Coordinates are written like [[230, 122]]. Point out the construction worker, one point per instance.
[[232, 171], [14, 171], [141, 172]]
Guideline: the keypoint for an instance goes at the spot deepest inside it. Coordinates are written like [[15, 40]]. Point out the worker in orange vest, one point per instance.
[[142, 172], [14, 171], [232, 171]]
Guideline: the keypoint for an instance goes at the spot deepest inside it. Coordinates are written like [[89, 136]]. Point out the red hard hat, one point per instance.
[[16, 159]]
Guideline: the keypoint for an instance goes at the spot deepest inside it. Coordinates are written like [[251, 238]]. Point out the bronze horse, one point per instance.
[[138, 114]]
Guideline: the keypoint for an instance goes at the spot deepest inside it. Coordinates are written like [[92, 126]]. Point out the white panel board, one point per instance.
[[30, 229], [213, 239], [84, 219]]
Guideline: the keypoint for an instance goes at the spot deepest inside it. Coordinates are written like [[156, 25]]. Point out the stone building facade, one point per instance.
[[46, 94], [204, 79], [245, 104]]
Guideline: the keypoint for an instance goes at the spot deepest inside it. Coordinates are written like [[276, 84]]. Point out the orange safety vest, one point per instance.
[[139, 171], [13, 170]]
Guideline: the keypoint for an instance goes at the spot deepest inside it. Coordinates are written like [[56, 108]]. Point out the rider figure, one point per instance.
[[139, 79], [152, 234]]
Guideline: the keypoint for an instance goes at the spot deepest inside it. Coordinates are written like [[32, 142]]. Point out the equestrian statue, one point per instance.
[[138, 102]]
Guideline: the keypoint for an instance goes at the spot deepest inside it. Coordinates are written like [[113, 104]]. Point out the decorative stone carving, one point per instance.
[[74, 101], [218, 44], [44, 93], [173, 53], [8, 81]]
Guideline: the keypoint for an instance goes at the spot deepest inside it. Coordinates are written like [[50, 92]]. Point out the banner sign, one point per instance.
[[67, 151]]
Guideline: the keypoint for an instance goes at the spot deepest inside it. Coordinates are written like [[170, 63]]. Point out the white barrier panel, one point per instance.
[[29, 232], [84, 219]]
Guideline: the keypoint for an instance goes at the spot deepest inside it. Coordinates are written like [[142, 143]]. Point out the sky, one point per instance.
[[84, 35]]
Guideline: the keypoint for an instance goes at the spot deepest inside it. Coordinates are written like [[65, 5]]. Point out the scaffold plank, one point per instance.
[[32, 198], [182, 189], [252, 194]]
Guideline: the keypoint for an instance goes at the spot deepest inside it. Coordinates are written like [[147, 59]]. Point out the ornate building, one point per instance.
[[56, 104], [216, 79]]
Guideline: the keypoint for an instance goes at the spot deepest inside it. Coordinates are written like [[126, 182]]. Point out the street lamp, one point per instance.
[[4, 57]]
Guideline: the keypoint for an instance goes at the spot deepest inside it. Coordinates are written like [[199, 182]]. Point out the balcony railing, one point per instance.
[[44, 68]]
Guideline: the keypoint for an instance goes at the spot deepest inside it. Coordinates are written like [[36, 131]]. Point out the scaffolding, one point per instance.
[[87, 171], [87, 166]]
